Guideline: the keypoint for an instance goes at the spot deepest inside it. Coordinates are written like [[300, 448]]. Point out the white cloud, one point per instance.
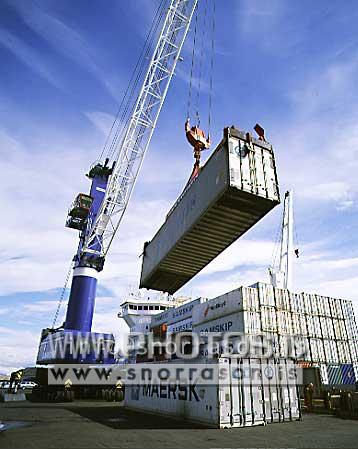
[[101, 120], [43, 307], [18, 348], [268, 25], [30, 57], [326, 89], [337, 191], [65, 40]]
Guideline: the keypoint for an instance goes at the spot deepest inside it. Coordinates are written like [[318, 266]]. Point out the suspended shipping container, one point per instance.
[[236, 188]]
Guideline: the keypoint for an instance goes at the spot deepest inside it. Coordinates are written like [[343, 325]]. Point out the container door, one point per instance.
[[246, 393], [259, 171], [270, 377], [257, 394], [244, 167], [237, 418], [270, 175], [224, 395], [225, 405], [266, 395], [293, 391], [284, 393]]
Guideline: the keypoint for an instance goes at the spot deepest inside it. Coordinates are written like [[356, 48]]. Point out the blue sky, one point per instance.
[[290, 65]]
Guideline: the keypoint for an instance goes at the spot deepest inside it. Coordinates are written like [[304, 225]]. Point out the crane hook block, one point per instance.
[[196, 137]]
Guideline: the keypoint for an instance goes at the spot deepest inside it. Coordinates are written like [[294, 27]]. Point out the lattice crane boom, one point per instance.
[[140, 128]]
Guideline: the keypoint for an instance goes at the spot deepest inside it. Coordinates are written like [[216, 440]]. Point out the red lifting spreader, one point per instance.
[[196, 138]]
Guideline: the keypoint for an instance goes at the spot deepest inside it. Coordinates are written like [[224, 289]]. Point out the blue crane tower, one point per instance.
[[98, 215]]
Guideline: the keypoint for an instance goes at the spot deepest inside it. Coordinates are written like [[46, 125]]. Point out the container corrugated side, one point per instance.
[[240, 403], [219, 206], [266, 294], [175, 314], [282, 299], [352, 331]]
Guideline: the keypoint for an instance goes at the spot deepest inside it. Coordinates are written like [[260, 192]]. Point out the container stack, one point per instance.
[[325, 327]]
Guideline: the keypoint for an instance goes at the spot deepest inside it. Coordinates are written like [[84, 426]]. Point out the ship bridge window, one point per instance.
[[162, 308], [139, 307], [130, 306], [156, 307], [150, 307], [145, 307]]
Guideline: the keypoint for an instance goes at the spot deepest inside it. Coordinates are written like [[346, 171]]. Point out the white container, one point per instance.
[[336, 329], [314, 304], [180, 326], [324, 326], [317, 327], [282, 299], [235, 188], [175, 314], [326, 306], [317, 350], [300, 303], [266, 294], [303, 324], [246, 322], [330, 328], [324, 373], [352, 331], [307, 300], [297, 302], [342, 324], [296, 323], [353, 347], [336, 308], [328, 350], [268, 319], [343, 351], [284, 322], [217, 307], [313, 326], [250, 299], [334, 350], [355, 369], [347, 309], [240, 403], [320, 305]]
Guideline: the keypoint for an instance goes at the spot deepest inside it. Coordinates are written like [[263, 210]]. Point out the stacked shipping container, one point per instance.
[[324, 326]]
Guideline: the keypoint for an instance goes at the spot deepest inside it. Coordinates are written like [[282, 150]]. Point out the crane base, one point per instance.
[[71, 346]]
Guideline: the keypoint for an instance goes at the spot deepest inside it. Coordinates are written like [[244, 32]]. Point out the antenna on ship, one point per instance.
[[281, 273]]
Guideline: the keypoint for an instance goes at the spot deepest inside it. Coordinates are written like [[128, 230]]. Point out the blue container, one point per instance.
[[334, 374], [347, 372]]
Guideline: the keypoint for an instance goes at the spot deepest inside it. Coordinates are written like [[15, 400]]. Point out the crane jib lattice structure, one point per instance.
[[141, 126]]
